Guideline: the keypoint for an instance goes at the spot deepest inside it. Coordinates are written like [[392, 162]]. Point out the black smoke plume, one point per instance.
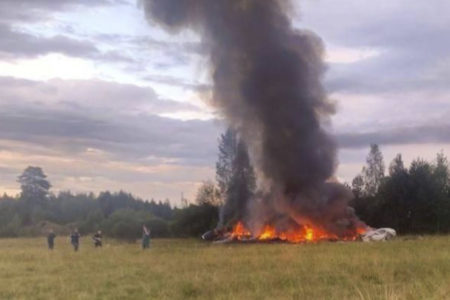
[[267, 83]]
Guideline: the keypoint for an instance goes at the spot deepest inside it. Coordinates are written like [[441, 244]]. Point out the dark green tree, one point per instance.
[[397, 166], [373, 172], [227, 155], [358, 186], [34, 196], [34, 185], [208, 193], [441, 174], [235, 177], [422, 200], [393, 199], [194, 220]]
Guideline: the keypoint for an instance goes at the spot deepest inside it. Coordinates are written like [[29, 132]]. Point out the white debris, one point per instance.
[[380, 234]]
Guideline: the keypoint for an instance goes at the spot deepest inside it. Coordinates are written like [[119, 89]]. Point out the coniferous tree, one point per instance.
[[34, 185], [373, 173], [34, 194], [235, 177], [397, 165], [227, 156], [393, 198], [441, 174]]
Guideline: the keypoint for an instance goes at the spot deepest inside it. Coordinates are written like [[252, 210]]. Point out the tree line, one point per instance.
[[411, 200], [119, 214]]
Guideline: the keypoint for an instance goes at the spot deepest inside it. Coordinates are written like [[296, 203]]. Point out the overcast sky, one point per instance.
[[102, 100]]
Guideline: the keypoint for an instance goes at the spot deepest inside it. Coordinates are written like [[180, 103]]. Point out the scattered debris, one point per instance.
[[380, 234]]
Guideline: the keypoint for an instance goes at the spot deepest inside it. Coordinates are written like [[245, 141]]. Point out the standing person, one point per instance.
[[97, 239], [51, 239], [75, 239], [145, 237]]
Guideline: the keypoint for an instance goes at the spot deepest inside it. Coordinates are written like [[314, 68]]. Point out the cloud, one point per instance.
[[31, 29], [145, 138], [179, 82], [158, 52], [15, 44], [93, 135], [174, 53], [87, 96], [396, 72], [95, 171], [120, 120], [36, 10], [186, 46], [431, 134], [410, 37]]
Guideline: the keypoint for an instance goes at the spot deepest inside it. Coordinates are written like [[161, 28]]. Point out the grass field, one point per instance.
[[182, 269]]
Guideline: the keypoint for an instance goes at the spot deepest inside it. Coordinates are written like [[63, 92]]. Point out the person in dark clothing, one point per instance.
[[51, 239], [75, 239], [145, 237], [97, 238]]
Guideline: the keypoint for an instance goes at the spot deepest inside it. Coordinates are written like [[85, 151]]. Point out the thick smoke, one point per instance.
[[267, 84]]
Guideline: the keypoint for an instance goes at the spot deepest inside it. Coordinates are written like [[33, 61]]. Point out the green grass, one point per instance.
[[183, 269]]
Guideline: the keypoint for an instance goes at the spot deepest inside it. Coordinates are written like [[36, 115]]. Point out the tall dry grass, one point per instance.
[[182, 269]]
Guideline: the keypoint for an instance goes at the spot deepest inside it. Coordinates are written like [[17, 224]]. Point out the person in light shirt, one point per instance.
[[145, 237]]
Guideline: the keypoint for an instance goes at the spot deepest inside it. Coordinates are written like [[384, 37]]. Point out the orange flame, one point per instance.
[[309, 236], [267, 233], [240, 232], [306, 233]]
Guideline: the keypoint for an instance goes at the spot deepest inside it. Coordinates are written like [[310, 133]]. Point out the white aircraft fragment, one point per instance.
[[380, 234]]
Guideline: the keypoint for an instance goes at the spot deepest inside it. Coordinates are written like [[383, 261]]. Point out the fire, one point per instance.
[[268, 233], [240, 232], [307, 233], [309, 236]]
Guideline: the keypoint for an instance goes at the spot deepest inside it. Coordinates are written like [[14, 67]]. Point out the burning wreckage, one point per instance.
[[308, 234], [267, 86]]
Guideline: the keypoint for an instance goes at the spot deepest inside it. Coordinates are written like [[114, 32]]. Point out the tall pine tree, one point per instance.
[[235, 177], [373, 173]]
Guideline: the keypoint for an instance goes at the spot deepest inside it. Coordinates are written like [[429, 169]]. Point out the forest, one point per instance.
[[412, 200]]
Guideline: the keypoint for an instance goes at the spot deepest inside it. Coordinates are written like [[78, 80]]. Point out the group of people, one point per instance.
[[74, 239], [96, 238]]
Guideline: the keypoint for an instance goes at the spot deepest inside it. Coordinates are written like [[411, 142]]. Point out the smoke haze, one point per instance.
[[267, 84]]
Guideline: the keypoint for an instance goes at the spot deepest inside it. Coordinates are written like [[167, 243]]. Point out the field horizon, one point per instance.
[[406, 268]]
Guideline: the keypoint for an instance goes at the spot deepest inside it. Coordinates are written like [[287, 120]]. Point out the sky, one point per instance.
[[102, 100]]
